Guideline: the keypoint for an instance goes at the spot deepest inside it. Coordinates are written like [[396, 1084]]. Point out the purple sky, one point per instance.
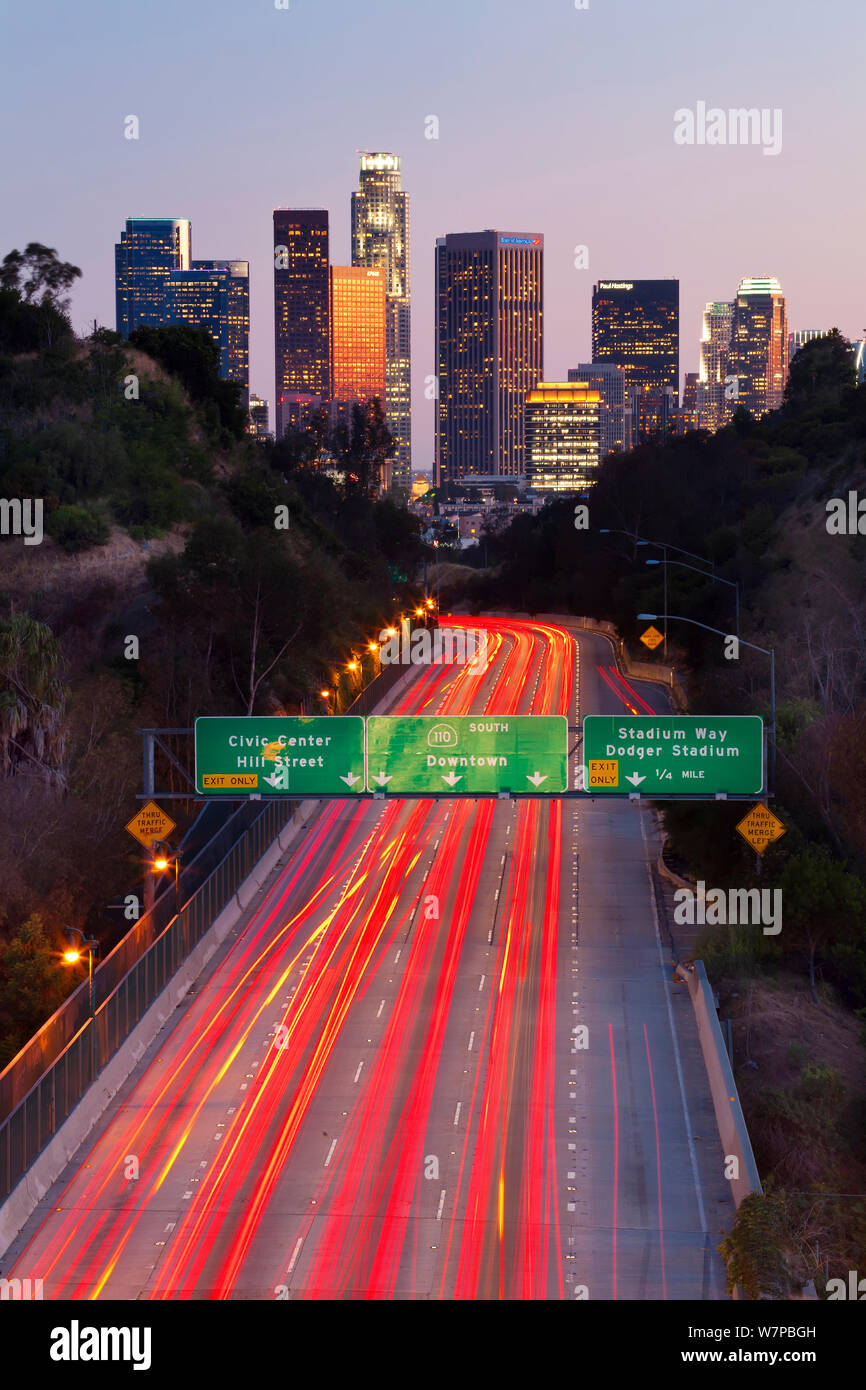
[[551, 119]]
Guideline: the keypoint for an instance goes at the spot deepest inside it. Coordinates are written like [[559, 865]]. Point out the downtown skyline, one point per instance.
[[525, 148]]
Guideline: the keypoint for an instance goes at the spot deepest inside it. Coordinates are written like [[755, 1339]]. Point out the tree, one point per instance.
[[824, 903], [32, 698], [820, 371], [34, 298], [301, 446], [46, 280], [193, 357], [32, 985], [362, 445]]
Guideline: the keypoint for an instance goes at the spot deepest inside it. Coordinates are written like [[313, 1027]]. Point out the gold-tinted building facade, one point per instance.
[[562, 436], [358, 334]]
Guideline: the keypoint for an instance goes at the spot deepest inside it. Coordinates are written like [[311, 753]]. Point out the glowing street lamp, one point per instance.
[[91, 946], [163, 859]]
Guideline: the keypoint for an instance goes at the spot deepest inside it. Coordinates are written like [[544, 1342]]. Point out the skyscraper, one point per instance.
[[489, 350], [358, 334], [802, 336], [216, 295], [562, 431], [609, 381], [148, 249], [635, 326], [258, 426], [759, 344], [687, 415], [302, 285], [715, 351], [380, 238]]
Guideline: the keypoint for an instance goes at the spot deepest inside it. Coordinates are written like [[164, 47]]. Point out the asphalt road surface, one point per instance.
[[441, 1057]]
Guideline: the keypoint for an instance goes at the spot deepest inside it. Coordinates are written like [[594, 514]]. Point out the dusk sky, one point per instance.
[[551, 119]]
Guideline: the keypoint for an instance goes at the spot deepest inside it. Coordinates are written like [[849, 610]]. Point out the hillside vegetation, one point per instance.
[[186, 570]]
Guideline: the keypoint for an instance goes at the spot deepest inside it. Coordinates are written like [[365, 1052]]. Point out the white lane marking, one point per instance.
[[471, 1041], [380, 1008], [481, 982], [330, 1153], [171, 1225], [457, 1112], [187, 1195], [686, 1116], [358, 1072], [295, 1255], [441, 1205], [398, 955]]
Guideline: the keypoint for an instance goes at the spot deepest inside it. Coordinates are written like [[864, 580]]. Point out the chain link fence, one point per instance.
[[44, 1083]]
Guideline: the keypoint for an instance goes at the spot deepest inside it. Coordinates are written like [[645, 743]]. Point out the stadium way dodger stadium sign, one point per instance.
[[674, 753], [301, 755]]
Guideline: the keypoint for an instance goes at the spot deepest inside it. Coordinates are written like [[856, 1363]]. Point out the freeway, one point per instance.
[[442, 1057]]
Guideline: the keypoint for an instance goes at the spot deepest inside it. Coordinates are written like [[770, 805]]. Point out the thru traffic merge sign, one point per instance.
[[651, 754], [467, 754], [279, 755], [150, 824], [651, 638], [760, 827]]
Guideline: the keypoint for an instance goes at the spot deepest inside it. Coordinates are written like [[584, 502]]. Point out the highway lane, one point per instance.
[[375, 1092]]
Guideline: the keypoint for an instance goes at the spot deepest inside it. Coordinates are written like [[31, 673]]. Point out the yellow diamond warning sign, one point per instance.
[[761, 828], [651, 638], [150, 824], [603, 772]]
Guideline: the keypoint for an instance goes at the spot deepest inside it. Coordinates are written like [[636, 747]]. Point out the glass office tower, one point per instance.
[[562, 436], [380, 238], [489, 351], [148, 249], [358, 334], [216, 295], [713, 407], [614, 421], [636, 326], [302, 293], [759, 344]]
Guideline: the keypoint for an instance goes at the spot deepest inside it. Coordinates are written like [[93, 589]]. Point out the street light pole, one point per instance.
[[766, 651], [90, 945], [716, 578], [665, 563]]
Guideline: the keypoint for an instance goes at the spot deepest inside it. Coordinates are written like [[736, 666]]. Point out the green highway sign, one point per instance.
[[673, 753], [467, 754], [301, 755]]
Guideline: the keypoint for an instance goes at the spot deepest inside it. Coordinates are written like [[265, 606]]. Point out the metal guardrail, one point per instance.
[[129, 981]]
